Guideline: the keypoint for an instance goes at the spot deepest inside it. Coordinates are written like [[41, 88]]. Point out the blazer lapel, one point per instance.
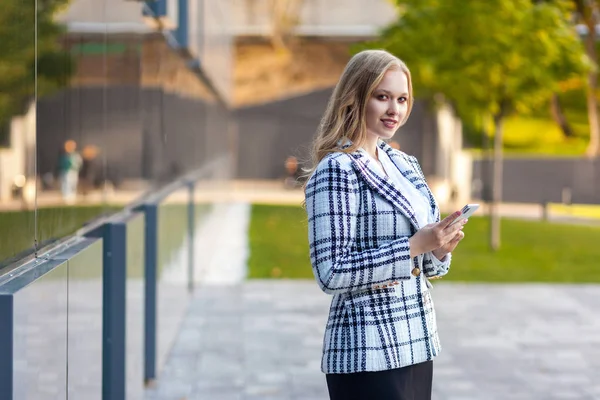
[[365, 167], [414, 174]]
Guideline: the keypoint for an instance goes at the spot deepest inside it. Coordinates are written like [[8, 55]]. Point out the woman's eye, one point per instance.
[[402, 100], [382, 97]]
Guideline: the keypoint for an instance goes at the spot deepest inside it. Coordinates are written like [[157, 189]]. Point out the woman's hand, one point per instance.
[[449, 247], [437, 236]]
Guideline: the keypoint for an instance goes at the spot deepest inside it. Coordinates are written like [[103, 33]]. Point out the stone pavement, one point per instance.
[[262, 340]]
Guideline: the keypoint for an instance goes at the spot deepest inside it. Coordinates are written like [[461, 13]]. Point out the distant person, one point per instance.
[[375, 238], [89, 173], [69, 164], [292, 172]]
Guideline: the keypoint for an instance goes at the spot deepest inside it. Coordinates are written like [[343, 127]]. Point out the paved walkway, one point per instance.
[[262, 340]]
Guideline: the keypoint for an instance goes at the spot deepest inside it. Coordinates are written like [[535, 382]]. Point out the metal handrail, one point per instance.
[[153, 195]]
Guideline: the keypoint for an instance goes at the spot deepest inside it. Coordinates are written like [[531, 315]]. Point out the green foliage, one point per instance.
[[531, 136], [486, 57], [18, 53], [532, 251]]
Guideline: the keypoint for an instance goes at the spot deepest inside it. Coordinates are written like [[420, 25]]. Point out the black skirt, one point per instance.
[[408, 383]]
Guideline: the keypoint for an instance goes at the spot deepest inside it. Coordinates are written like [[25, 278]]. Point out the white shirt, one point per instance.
[[417, 199]]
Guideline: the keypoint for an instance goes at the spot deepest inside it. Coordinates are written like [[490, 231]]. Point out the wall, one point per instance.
[[539, 180], [316, 17], [271, 132]]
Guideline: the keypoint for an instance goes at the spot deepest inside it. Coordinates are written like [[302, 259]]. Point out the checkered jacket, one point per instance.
[[359, 225]]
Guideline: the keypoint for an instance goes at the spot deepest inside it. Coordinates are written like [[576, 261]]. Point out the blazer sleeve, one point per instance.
[[434, 268], [332, 195]]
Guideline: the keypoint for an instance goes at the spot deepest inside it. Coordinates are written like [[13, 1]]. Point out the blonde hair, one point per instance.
[[345, 115]]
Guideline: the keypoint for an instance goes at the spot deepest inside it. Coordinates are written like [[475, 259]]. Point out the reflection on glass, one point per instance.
[[17, 121], [73, 127], [118, 111]]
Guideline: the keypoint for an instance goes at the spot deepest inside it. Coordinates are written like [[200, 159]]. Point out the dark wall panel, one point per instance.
[[271, 132]]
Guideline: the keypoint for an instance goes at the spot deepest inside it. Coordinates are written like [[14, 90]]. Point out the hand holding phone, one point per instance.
[[438, 235]]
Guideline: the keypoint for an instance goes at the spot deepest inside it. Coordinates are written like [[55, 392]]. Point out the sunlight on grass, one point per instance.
[[531, 251], [542, 136], [576, 210]]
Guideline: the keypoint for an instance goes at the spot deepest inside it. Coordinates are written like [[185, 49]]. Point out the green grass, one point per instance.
[[531, 251], [278, 243], [17, 227]]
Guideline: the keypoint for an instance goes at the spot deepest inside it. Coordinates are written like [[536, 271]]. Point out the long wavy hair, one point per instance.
[[345, 115]]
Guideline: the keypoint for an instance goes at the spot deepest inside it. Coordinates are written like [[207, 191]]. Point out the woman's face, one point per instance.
[[388, 105]]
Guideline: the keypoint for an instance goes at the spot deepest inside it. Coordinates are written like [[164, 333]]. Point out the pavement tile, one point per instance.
[[262, 340]]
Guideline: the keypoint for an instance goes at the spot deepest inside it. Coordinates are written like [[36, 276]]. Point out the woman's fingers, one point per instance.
[[449, 219], [459, 236], [455, 240], [451, 232]]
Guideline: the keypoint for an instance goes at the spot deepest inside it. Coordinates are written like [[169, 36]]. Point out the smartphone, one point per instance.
[[466, 212]]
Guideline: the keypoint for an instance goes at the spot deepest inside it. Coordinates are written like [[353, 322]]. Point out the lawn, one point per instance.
[[531, 251], [17, 227]]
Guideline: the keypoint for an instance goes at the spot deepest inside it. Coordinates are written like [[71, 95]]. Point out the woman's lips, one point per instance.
[[389, 123]]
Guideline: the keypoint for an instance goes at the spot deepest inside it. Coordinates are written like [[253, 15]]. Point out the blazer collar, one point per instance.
[[373, 176], [406, 163], [380, 183]]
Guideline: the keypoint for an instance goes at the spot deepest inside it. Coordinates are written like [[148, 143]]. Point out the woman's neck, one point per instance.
[[370, 147]]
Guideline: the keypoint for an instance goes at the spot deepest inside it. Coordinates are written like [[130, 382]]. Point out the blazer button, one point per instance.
[[416, 271]]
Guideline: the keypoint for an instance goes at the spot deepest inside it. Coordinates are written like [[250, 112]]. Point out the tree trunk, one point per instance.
[[496, 183], [559, 116], [593, 149]]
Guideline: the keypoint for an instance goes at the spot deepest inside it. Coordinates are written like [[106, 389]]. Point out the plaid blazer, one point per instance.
[[358, 228]]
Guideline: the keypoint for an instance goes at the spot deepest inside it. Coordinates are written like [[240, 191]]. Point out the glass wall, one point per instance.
[[97, 108], [17, 124]]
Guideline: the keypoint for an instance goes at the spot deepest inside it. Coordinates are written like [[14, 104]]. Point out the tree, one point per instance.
[[559, 116], [587, 12], [18, 54], [487, 58]]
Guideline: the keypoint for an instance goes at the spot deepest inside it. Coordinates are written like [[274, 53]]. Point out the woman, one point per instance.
[[375, 238]]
